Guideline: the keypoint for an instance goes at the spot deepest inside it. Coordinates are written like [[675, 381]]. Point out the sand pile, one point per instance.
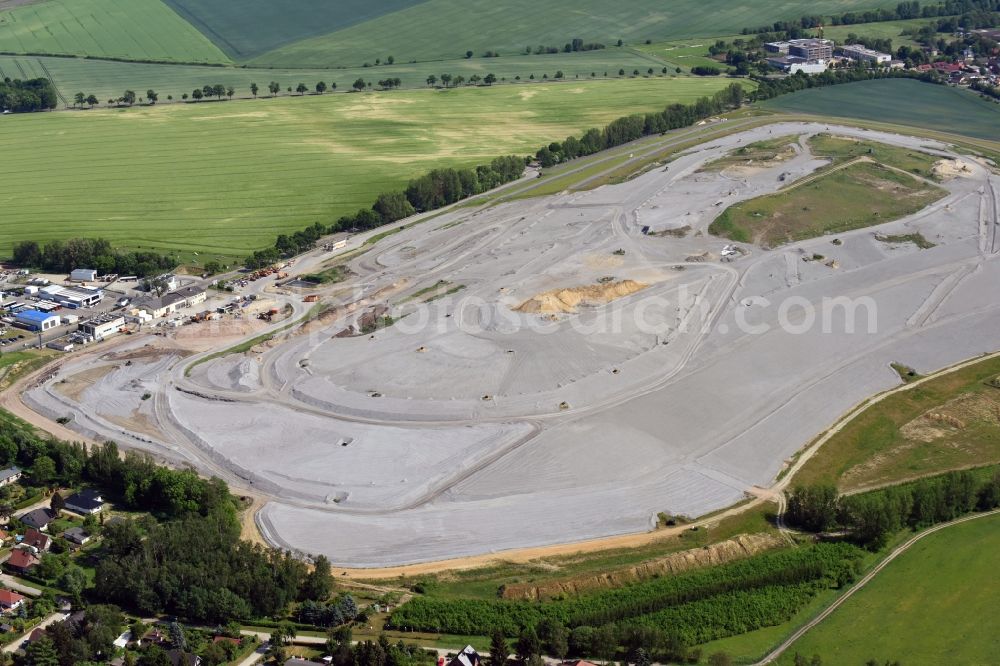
[[948, 169], [567, 300]]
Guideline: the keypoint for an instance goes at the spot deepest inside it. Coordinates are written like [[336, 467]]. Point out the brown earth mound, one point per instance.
[[567, 300], [953, 416], [948, 169], [736, 548]]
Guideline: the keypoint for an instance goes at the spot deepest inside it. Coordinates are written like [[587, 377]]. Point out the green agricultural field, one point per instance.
[[861, 194], [133, 29], [901, 102], [882, 30], [227, 177], [437, 29], [251, 27], [935, 604], [108, 79], [685, 54], [891, 441]]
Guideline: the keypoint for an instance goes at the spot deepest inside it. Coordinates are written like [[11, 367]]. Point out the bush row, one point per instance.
[[819, 564]]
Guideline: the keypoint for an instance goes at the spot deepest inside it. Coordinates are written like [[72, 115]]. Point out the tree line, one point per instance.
[[58, 256], [29, 95], [573, 46], [986, 89], [629, 128], [871, 518], [768, 88], [903, 11], [433, 190]]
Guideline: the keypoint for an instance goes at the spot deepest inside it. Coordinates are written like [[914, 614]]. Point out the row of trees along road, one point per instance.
[[871, 518]]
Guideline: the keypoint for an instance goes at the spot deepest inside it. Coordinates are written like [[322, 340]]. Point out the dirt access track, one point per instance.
[[466, 428]]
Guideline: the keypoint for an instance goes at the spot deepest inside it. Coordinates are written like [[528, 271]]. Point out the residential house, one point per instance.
[[35, 539], [9, 476], [39, 518], [467, 657], [947, 67], [85, 502], [299, 661], [10, 601], [154, 637], [22, 561], [76, 535], [181, 658]]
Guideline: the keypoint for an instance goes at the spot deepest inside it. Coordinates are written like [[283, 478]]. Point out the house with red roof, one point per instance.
[[22, 561], [35, 539], [947, 67], [10, 600]]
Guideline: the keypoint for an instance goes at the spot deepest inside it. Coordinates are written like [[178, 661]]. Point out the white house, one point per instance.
[[9, 476]]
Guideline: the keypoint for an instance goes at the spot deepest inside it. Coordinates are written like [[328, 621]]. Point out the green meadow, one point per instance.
[[133, 29], [882, 30], [900, 102], [251, 27], [935, 604], [227, 177]]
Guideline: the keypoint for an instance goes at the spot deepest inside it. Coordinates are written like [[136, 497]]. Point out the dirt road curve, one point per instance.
[[778, 651]]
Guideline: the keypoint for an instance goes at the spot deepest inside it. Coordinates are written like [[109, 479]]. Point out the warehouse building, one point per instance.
[[34, 320], [72, 297], [794, 64], [83, 275], [807, 49], [169, 303], [102, 327], [862, 53]]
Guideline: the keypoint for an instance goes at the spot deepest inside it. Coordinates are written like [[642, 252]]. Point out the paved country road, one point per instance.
[[778, 651]]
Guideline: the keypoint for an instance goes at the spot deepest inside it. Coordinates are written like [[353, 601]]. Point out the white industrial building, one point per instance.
[[72, 297], [170, 303], [102, 327], [794, 64], [83, 275], [806, 49], [862, 53]]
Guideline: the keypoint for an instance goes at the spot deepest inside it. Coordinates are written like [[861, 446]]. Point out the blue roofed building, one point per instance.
[[33, 320]]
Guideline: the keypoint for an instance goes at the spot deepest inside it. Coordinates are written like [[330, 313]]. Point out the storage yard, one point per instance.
[[543, 371]]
